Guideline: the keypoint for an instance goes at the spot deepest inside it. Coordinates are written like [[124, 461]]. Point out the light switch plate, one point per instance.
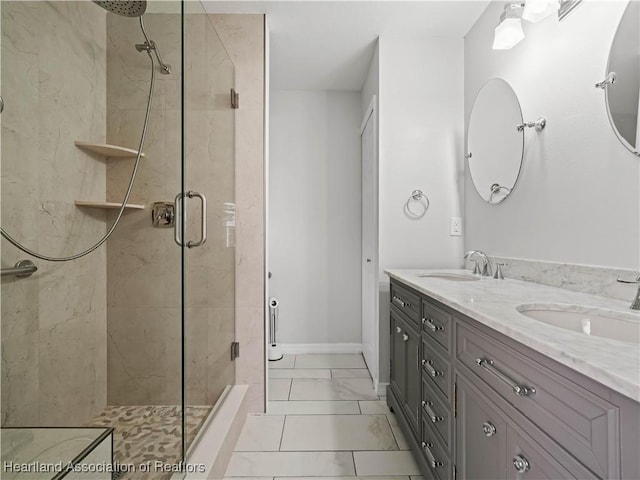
[[456, 227]]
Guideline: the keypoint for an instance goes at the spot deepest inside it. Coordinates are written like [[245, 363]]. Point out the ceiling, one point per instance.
[[327, 45]]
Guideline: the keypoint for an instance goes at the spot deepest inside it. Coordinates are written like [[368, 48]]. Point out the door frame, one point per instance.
[[371, 114]]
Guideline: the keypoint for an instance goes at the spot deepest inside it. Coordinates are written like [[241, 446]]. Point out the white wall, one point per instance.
[[421, 139], [371, 84], [314, 217], [578, 196]]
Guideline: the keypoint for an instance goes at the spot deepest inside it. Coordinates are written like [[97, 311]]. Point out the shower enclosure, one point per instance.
[[136, 335]]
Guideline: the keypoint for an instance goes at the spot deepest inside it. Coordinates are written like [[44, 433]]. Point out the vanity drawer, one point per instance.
[[406, 302], [437, 412], [433, 452], [436, 369], [586, 425], [437, 324]]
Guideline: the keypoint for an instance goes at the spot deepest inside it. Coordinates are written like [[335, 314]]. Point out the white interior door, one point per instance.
[[370, 242]]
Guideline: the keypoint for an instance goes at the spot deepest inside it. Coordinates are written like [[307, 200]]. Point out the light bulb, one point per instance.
[[536, 10], [507, 34]]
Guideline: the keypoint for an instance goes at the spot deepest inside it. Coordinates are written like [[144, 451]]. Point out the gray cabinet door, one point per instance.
[[481, 435], [529, 461], [413, 392], [397, 374]]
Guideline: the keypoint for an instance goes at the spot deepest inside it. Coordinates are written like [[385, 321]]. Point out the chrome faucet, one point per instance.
[[486, 267], [635, 305]]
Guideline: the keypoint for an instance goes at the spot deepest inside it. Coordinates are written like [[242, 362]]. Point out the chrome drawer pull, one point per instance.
[[520, 390], [434, 418], [521, 464], [428, 365], [432, 326], [489, 429], [401, 302], [432, 460]]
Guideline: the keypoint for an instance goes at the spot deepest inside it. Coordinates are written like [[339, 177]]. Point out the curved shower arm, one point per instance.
[[151, 45]]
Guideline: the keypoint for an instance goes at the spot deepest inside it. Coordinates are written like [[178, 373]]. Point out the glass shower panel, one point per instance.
[[144, 282], [209, 169], [96, 341]]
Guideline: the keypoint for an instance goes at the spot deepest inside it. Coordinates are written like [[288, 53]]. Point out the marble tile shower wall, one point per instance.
[[53, 323], [143, 262]]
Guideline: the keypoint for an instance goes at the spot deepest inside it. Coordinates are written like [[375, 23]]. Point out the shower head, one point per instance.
[[125, 8]]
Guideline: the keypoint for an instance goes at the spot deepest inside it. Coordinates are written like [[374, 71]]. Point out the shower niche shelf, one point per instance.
[[109, 151], [107, 205]]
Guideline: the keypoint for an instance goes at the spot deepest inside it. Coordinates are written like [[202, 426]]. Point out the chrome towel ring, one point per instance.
[[416, 196]]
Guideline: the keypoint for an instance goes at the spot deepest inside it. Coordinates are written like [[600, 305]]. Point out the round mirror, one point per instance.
[[622, 88], [494, 144]]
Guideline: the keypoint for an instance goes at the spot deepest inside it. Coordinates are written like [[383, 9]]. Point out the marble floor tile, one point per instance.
[[279, 388], [385, 463], [299, 373], [289, 464], [397, 432], [330, 361], [287, 361], [334, 389], [350, 373], [261, 433], [337, 432], [311, 407], [403, 477], [374, 407], [250, 478]]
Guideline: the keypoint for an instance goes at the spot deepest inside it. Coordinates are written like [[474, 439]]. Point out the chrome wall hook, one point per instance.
[[539, 125], [609, 80]]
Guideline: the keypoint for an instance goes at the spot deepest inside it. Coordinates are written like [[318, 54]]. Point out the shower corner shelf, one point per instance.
[[109, 151], [107, 205]]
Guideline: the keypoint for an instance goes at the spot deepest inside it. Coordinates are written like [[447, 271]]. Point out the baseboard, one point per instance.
[[212, 448], [319, 348], [380, 388]]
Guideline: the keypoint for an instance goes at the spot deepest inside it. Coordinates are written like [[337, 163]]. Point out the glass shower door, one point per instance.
[[209, 218], [95, 341]]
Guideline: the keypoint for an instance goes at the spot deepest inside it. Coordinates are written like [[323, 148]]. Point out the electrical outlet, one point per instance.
[[456, 227]]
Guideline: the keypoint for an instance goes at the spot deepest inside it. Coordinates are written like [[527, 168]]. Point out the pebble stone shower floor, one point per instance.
[[149, 433]]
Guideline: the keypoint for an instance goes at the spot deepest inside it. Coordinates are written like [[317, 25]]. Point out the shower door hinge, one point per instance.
[[235, 350], [235, 99]]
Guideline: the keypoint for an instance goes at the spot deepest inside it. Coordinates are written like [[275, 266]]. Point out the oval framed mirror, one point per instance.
[[622, 87], [494, 144]]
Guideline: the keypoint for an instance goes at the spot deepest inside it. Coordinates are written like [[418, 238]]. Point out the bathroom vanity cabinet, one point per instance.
[[476, 404]]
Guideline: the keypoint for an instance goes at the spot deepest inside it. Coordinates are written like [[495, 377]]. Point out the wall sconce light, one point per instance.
[[536, 10], [509, 31]]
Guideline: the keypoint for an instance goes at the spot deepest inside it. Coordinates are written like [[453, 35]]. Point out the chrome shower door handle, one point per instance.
[[203, 219], [178, 224]]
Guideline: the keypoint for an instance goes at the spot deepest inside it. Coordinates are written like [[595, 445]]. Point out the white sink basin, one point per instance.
[[453, 277], [624, 327]]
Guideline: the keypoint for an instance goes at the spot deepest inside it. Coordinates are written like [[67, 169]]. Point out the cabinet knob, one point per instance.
[[521, 464], [489, 429], [405, 337], [398, 330]]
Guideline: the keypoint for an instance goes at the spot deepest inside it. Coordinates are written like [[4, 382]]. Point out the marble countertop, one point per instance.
[[493, 303]]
